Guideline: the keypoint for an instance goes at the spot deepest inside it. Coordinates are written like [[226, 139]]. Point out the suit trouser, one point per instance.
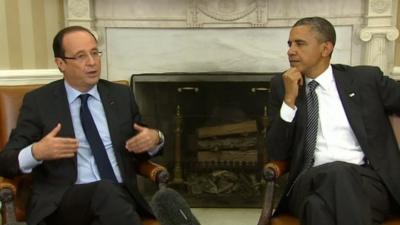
[[102, 202], [340, 193]]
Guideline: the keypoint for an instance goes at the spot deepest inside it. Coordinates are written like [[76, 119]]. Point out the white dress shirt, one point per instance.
[[335, 139]]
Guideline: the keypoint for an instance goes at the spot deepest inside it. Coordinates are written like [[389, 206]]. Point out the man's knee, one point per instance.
[[316, 211], [111, 202], [107, 192]]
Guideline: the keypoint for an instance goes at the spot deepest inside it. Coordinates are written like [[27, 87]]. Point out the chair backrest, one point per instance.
[[10, 102]]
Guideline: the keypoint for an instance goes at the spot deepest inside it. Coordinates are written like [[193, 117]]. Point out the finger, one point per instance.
[[66, 143], [131, 141], [301, 81], [137, 149], [55, 131], [138, 127], [136, 146], [66, 150], [68, 147], [64, 155]]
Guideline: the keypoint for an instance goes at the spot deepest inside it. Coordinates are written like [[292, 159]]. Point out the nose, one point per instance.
[[90, 60], [291, 50]]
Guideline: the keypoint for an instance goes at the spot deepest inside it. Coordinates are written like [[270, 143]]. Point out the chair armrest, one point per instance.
[[271, 172], [275, 169], [13, 199], [155, 172], [8, 184]]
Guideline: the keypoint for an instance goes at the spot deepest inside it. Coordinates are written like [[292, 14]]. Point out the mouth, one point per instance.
[[294, 62], [93, 73]]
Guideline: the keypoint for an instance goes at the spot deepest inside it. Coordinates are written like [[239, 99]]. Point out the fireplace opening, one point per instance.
[[214, 124]]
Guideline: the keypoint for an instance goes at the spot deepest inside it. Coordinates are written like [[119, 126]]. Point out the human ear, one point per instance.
[[60, 64], [327, 49]]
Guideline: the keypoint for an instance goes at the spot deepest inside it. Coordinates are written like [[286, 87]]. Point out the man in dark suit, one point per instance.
[[57, 128], [331, 122]]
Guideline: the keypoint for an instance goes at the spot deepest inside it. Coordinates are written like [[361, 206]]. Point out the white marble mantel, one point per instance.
[[147, 36], [215, 35]]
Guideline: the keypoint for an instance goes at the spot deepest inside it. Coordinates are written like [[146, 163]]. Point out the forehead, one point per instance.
[[78, 41], [302, 32]]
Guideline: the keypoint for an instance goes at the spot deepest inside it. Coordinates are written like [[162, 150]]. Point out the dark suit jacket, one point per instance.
[[368, 98], [41, 110]]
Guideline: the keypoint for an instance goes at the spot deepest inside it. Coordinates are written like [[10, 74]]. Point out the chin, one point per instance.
[[297, 66], [92, 77]]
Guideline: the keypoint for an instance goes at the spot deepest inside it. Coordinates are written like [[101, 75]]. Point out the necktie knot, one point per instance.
[[84, 98], [312, 85]]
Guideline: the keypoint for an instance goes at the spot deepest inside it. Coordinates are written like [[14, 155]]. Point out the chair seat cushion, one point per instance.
[[150, 222], [392, 221], [285, 219]]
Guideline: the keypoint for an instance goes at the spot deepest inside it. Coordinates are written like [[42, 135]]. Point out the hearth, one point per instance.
[[214, 125]]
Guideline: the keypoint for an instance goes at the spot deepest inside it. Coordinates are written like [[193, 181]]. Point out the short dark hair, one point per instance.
[[320, 25], [58, 49]]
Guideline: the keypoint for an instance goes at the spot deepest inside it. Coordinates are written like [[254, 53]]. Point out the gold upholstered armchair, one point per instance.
[[14, 193], [275, 169]]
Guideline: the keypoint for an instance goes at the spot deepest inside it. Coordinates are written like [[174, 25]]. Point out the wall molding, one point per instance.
[[33, 76]]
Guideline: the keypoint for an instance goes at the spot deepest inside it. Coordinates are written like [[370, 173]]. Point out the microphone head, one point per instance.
[[171, 209]]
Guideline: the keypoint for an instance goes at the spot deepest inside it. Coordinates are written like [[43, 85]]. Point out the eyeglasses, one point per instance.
[[83, 57]]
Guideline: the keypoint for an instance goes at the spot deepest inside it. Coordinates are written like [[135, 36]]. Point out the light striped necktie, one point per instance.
[[312, 124]]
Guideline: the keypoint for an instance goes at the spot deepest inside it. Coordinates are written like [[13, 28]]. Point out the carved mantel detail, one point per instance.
[[391, 33], [380, 6], [246, 13], [379, 35], [80, 12], [78, 9]]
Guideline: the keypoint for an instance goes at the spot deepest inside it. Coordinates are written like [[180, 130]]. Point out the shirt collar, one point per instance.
[[73, 94], [325, 79]]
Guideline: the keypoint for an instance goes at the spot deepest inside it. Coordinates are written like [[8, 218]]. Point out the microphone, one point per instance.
[[171, 209]]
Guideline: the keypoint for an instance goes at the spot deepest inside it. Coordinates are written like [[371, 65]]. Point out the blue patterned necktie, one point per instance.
[[92, 135], [312, 124]]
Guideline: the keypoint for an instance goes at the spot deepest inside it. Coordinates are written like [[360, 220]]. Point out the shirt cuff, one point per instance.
[[287, 113], [26, 160], [156, 149]]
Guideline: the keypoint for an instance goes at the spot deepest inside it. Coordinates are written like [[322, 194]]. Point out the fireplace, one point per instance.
[[214, 124]]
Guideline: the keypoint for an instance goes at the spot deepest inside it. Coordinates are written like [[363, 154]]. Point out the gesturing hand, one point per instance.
[[52, 147], [145, 139]]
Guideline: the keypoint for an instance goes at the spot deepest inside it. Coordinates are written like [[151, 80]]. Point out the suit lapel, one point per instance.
[[62, 109], [109, 102], [110, 109], [349, 94]]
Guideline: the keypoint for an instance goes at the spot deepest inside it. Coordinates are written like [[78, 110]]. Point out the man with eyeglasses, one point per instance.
[[80, 138]]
